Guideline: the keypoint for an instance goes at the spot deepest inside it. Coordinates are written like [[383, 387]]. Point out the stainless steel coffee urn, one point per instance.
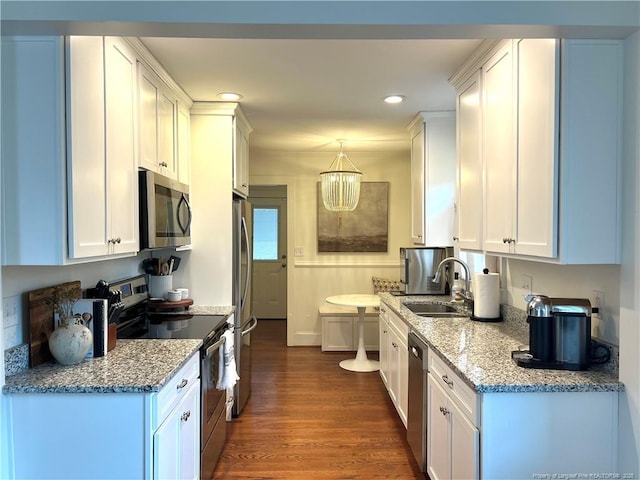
[[559, 334]]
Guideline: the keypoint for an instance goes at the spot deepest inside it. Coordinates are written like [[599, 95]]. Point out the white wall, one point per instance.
[[17, 281], [315, 276], [570, 281], [207, 269], [629, 419]]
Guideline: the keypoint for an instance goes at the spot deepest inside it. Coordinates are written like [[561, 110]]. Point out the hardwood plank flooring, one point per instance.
[[309, 419]]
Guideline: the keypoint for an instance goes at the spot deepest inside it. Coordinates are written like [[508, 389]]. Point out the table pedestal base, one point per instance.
[[355, 365]]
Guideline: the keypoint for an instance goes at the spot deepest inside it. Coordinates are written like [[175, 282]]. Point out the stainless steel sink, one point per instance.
[[433, 310]]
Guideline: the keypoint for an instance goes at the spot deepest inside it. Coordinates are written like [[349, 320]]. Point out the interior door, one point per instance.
[[269, 251]]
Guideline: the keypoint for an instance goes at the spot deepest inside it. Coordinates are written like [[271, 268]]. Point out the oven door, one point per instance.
[[214, 428]]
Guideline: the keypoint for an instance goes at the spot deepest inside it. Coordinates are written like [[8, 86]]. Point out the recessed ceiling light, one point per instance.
[[394, 99], [229, 96]]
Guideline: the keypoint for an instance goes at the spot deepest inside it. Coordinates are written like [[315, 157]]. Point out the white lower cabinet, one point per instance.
[[384, 333], [515, 435], [394, 359], [110, 435], [452, 437], [175, 443]]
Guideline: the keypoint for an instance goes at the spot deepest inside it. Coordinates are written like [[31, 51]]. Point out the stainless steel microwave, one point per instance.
[[165, 212]]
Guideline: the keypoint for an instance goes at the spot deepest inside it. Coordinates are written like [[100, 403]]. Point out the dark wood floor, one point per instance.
[[309, 419]]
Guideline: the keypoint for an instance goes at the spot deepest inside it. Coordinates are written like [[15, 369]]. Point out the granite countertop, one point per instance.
[[133, 366], [210, 310], [480, 352]]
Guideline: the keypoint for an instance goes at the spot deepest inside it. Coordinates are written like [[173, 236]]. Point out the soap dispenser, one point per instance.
[[456, 289]]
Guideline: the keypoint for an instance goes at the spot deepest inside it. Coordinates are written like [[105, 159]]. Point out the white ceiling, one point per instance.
[[315, 71], [303, 94]]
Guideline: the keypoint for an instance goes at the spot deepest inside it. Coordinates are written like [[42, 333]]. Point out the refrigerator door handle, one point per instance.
[[248, 275], [255, 324]]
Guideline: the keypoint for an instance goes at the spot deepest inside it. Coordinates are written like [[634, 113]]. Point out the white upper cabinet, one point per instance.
[[122, 178], [550, 138], [103, 194], [432, 178], [241, 132], [184, 144], [498, 149], [469, 165], [79, 182], [33, 172], [232, 130], [535, 229], [158, 123]]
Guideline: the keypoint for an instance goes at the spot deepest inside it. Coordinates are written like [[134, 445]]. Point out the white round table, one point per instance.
[[360, 300]]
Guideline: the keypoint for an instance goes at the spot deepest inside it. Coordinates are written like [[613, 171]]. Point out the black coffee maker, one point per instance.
[[559, 334]]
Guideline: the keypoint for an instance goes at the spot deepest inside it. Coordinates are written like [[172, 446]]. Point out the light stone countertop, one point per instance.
[[210, 310], [480, 352], [133, 366]]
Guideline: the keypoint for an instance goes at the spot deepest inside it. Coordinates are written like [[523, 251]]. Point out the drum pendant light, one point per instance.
[[340, 184]]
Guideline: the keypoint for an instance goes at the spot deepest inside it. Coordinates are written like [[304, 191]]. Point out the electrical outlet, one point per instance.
[[526, 283], [597, 301], [298, 251], [10, 311]]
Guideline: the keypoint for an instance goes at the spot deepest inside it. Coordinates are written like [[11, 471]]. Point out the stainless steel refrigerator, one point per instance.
[[244, 320]]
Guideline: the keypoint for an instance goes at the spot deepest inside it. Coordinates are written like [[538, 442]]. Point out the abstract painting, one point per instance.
[[365, 229]]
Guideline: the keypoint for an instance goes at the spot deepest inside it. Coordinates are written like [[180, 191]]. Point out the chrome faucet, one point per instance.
[[467, 295]]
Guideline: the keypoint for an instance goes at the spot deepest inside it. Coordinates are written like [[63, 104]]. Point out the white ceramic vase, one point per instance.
[[70, 341]]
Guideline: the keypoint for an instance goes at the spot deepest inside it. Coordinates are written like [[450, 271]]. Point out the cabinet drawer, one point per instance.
[[463, 396], [396, 323], [177, 387]]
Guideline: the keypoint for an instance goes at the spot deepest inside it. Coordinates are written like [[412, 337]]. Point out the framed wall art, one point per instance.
[[365, 229]]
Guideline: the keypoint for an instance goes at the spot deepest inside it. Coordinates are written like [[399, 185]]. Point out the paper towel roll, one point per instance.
[[486, 295]]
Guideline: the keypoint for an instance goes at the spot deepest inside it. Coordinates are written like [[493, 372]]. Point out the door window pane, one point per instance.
[[265, 233]]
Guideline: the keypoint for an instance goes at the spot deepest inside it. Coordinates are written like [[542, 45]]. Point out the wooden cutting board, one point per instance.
[[41, 321]]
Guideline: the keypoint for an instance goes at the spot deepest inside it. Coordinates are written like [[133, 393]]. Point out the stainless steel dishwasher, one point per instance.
[[417, 407]]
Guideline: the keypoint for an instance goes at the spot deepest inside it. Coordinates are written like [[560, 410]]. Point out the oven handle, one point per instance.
[[215, 346], [255, 324]]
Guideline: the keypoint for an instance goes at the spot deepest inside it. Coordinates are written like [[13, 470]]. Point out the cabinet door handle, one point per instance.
[[186, 415], [455, 239], [447, 381], [182, 384], [505, 240], [118, 240], [395, 345], [444, 411]]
